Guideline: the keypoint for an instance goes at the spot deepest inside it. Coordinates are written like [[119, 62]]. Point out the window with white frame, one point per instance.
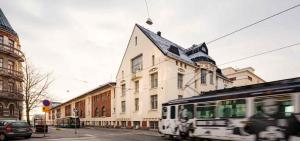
[[123, 87], [136, 103], [180, 81], [123, 106], [137, 64], [203, 76], [137, 86], [154, 102], [154, 80]]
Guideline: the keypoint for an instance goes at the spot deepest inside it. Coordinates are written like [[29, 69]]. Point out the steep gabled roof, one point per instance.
[[168, 48], [5, 25]]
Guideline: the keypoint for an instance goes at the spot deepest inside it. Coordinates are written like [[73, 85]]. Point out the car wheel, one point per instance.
[[3, 137]]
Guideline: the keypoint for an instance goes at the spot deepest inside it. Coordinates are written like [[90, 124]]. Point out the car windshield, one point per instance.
[[19, 124]]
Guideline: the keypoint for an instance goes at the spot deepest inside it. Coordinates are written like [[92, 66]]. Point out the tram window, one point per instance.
[[232, 108], [285, 106], [190, 110], [173, 112], [164, 112], [205, 112]]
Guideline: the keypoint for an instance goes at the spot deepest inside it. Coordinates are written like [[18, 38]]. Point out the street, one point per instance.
[[96, 134]]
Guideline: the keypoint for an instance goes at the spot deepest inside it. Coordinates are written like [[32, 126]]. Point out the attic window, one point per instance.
[[174, 50], [135, 40]]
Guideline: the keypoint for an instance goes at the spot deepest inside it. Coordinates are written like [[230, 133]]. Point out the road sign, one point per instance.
[[46, 109], [46, 102]]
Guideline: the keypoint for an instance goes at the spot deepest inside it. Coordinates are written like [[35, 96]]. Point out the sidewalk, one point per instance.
[[58, 133]]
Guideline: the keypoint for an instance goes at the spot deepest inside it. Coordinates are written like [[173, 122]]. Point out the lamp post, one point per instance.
[[75, 112]]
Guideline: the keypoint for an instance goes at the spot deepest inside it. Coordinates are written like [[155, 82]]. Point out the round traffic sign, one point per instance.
[[46, 102]]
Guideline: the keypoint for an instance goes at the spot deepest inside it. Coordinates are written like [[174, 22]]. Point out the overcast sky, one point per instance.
[[82, 42]]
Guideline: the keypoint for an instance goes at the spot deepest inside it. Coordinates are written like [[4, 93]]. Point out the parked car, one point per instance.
[[12, 129]]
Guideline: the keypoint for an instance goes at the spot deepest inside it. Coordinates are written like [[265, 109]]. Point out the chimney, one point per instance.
[[158, 33]]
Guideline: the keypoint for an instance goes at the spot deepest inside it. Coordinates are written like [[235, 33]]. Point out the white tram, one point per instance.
[[267, 111]]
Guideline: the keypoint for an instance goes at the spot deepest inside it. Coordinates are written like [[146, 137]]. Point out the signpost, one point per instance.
[[46, 104], [75, 110]]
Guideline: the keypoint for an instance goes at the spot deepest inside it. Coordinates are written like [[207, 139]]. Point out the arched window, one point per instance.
[[11, 110], [1, 109], [103, 111]]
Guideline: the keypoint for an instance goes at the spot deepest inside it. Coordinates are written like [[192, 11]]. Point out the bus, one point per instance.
[[266, 111], [68, 122]]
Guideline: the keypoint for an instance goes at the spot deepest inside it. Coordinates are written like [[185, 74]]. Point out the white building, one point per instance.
[[242, 77], [155, 70]]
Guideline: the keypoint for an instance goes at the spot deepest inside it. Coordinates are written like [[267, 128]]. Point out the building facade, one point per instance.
[[155, 70], [95, 108], [242, 77], [11, 76]]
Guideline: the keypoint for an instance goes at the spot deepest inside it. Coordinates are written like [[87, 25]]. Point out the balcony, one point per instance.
[[6, 49], [18, 75], [14, 95]]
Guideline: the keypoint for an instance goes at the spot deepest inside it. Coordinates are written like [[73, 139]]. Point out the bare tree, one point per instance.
[[35, 86]]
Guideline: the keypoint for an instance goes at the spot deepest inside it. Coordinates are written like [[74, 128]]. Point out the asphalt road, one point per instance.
[[97, 134]]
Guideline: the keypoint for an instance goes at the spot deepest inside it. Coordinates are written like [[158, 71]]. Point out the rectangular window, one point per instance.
[[137, 86], [284, 103], [232, 108], [190, 110], [205, 111], [10, 65], [154, 102], [137, 64], [154, 80], [153, 60], [1, 85], [164, 112], [135, 40], [1, 40], [203, 76], [179, 96], [211, 77], [10, 87], [173, 112], [123, 89], [136, 103], [180, 81], [153, 124], [11, 43], [249, 78], [123, 104], [1, 62]]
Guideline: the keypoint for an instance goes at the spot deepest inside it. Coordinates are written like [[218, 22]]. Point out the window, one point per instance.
[[203, 76], [122, 74], [232, 109], [11, 43], [179, 96], [137, 86], [10, 87], [249, 78], [232, 79], [1, 62], [185, 66], [173, 112], [1, 40], [164, 112], [179, 81], [284, 104], [1, 109], [190, 110], [154, 80], [205, 111], [103, 111], [153, 124], [137, 64], [68, 110], [10, 65], [196, 84], [154, 102], [11, 110], [211, 77], [123, 89], [136, 104], [123, 104], [1, 85], [180, 64], [96, 112], [176, 63], [135, 40], [153, 60]]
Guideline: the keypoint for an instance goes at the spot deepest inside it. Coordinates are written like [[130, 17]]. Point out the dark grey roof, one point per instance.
[[167, 48], [4, 24]]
